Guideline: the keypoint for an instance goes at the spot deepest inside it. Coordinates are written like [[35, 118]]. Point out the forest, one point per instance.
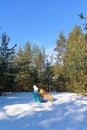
[[65, 70]]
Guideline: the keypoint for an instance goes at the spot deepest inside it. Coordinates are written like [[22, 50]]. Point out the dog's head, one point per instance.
[[42, 91]]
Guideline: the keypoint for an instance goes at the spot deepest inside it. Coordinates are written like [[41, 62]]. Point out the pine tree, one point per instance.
[[23, 62], [7, 68], [48, 75], [74, 60], [60, 48]]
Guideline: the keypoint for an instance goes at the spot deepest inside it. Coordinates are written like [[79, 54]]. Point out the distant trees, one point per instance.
[[32, 68]]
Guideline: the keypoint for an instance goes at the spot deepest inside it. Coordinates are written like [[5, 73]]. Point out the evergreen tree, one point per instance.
[[23, 62], [7, 68], [74, 60], [60, 48], [48, 76], [38, 63]]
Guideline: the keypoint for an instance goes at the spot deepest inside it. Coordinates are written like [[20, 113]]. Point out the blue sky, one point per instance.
[[39, 21]]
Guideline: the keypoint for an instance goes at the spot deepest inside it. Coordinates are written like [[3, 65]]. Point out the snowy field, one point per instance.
[[19, 111]]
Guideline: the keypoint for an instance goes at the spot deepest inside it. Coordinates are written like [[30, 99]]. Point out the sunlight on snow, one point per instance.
[[68, 111]]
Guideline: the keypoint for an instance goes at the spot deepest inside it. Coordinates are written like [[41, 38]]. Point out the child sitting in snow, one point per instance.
[[37, 95]]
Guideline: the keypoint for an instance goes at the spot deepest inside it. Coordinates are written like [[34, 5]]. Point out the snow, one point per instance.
[[19, 111]]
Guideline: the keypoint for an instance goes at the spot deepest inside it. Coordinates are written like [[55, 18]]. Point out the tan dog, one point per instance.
[[46, 95]]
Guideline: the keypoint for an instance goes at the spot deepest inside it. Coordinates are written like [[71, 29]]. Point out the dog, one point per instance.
[[46, 95]]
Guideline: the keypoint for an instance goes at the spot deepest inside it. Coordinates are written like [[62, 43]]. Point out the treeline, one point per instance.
[[21, 69]]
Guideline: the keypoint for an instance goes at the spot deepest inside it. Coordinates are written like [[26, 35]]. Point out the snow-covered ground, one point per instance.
[[19, 111]]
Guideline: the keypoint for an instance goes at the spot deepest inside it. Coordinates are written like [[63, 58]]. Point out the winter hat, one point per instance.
[[35, 88]]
